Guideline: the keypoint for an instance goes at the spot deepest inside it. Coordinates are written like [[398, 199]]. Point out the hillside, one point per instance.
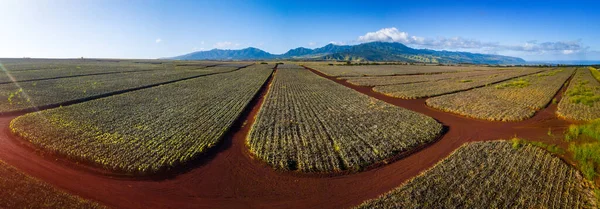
[[373, 51]]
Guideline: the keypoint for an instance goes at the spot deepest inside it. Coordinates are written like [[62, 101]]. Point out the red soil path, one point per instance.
[[231, 178]]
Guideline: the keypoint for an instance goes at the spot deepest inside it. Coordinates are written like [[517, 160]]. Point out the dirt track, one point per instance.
[[230, 178]]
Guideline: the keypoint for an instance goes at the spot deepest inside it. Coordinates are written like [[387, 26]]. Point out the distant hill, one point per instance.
[[373, 51], [250, 53]]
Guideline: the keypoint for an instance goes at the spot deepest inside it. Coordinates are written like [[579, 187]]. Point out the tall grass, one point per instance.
[[586, 154]]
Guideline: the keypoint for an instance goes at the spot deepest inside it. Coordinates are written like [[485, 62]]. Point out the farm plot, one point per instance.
[[28, 95], [493, 175], [149, 130], [312, 124], [512, 100], [9, 76], [21, 191], [288, 66], [582, 99], [439, 87], [391, 80], [387, 70]]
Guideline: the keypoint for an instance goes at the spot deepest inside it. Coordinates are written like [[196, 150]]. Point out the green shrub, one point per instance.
[[519, 83]]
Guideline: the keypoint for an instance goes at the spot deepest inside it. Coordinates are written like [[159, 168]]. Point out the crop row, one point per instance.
[[27, 95], [493, 175], [511, 100], [387, 70], [7, 75], [21, 191], [312, 124], [582, 99], [149, 130], [435, 88], [404, 79]]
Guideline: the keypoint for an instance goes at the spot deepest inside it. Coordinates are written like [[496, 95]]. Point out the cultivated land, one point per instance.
[[202, 141], [493, 175], [391, 80], [456, 84], [312, 124], [21, 191], [386, 70], [149, 130], [512, 100], [582, 99], [27, 95]]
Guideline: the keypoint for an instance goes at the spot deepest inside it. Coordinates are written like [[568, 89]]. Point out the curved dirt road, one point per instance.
[[230, 178]]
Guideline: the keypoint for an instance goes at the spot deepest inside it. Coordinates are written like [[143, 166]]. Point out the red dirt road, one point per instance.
[[231, 178]]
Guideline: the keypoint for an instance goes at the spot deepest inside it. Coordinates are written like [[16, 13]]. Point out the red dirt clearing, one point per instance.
[[231, 178]]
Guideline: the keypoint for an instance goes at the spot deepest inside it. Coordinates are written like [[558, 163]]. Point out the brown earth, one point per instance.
[[228, 177]]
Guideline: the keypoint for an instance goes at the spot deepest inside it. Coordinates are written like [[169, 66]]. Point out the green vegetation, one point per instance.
[[312, 124], [581, 94], [28, 95], [595, 72], [493, 175], [552, 148], [511, 100], [585, 146], [582, 99], [517, 83], [384, 70], [393, 80], [18, 190], [440, 87], [149, 130], [466, 81]]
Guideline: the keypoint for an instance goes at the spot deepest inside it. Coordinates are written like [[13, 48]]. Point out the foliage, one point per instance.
[[119, 132], [406, 79], [312, 124], [582, 99], [384, 70], [517, 83], [586, 153], [28, 95], [513, 102], [493, 175], [552, 148], [440, 87], [21, 191]]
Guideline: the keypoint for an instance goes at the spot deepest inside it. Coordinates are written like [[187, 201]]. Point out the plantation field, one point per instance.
[[582, 99], [312, 124], [493, 175], [512, 100], [149, 130], [18, 190], [451, 85], [27, 95], [14, 75], [391, 80], [387, 70]]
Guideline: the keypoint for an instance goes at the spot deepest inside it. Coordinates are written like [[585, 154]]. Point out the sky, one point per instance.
[[533, 30]]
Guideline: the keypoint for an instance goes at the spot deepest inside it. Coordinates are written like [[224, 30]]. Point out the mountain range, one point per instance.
[[372, 51]]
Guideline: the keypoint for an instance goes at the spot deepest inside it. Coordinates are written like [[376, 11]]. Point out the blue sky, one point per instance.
[[533, 30]]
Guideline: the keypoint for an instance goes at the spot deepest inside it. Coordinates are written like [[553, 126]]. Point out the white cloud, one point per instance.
[[386, 35], [337, 42], [226, 45], [158, 40], [312, 43], [459, 43]]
